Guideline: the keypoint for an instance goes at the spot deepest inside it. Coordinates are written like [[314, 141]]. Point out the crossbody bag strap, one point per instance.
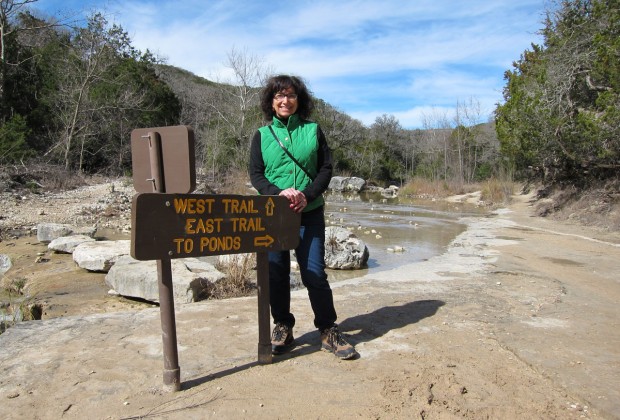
[[289, 154]]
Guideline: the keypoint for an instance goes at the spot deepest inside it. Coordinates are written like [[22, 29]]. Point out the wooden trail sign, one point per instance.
[[194, 225]]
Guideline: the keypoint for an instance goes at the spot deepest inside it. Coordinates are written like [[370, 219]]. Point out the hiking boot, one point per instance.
[[333, 342], [282, 339]]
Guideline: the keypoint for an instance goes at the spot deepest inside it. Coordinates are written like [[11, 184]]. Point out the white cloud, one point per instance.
[[365, 57]]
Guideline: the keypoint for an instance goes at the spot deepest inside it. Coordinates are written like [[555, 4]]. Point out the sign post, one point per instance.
[[166, 226], [172, 371], [262, 282], [168, 222]]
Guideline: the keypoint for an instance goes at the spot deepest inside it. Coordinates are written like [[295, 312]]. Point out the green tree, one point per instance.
[[9, 10], [560, 114], [13, 144]]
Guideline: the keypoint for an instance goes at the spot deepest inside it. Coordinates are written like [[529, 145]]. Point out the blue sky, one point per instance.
[[411, 59]]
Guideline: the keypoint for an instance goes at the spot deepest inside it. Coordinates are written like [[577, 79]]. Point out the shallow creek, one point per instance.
[[424, 228]]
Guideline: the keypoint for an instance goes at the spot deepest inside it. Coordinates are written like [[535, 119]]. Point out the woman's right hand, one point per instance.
[[297, 199]]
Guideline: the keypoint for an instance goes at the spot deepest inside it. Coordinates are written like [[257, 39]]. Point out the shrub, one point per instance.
[[238, 269], [495, 191]]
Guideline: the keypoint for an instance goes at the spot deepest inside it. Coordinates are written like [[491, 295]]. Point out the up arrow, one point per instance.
[[269, 207]]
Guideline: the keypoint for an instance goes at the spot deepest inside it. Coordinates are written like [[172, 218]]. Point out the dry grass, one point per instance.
[[239, 271], [492, 191], [236, 182], [495, 191], [19, 307], [423, 187], [38, 178]]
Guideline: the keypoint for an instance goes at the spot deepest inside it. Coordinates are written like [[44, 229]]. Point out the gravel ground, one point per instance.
[[105, 205]]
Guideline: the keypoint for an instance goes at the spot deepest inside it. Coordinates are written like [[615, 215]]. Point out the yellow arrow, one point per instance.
[[263, 241], [269, 207]]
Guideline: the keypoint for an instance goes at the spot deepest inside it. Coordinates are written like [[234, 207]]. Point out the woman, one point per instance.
[[301, 177]]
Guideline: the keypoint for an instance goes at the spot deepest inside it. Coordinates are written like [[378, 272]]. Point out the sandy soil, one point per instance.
[[518, 320]]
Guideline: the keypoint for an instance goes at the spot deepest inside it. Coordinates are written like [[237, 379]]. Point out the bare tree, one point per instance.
[[466, 147], [250, 73], [343, 133], [90, 96], [197, 97], [90, 58], [436, 145], [232, 113]]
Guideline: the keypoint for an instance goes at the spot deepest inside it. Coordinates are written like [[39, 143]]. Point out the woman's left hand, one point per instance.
[[296, 198]]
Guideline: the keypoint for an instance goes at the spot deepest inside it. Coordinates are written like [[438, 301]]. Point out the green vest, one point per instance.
[[280, 170]]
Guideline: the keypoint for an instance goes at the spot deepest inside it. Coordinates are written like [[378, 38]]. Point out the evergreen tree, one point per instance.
[[561, 112]]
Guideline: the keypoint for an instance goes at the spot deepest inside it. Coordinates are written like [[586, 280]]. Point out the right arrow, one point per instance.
[[263, 241]]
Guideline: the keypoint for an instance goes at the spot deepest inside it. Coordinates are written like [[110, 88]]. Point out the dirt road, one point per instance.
[[518, 320]]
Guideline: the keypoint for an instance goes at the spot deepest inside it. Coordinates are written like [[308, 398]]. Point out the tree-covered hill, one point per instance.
[[71, 95]]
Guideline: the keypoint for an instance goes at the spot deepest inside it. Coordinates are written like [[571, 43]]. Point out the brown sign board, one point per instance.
[[192, 225], [177, 154]]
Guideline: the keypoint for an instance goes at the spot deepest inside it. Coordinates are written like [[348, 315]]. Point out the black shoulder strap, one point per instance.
[[289, 154]]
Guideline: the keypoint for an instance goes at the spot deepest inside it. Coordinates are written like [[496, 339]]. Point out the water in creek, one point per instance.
[[424, 228]]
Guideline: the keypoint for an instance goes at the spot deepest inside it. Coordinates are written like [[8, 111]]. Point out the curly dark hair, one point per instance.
[[276, 84]]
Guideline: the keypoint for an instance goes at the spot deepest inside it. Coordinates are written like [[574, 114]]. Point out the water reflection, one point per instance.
[[424, 228]]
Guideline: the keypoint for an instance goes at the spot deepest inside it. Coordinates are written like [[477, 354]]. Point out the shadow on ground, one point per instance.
[[367, 327], [370, 326]]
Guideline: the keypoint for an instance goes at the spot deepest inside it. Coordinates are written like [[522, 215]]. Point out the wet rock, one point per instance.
[[100, 255], [138, 279], [344, 250], [390, 192]]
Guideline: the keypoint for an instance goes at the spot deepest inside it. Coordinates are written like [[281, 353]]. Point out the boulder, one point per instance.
[[47, 232], [100, 255], [346, 183], [5, 264], [344, 250], [138, 279], [390, 192], [67, 244]]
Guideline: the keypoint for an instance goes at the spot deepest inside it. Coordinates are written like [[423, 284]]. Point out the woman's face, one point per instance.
[[285, 103]]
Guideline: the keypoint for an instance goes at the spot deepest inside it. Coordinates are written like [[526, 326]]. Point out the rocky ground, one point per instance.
[[53, 280], [105, 204], [518, 319]]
